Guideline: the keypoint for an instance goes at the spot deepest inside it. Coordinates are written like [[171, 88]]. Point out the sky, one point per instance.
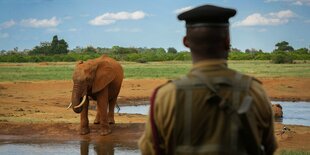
[[259, 24]]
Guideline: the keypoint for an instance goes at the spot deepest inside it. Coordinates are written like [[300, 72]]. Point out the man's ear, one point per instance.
[[186, 41]]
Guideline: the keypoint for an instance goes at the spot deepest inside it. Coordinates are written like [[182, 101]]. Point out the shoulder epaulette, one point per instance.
[[255, 79]]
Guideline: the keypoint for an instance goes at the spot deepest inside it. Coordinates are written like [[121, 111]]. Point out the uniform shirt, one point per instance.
[[164, 110]]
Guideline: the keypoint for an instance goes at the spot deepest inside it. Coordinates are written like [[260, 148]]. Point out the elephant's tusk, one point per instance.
[[82, 103], [69, 105]]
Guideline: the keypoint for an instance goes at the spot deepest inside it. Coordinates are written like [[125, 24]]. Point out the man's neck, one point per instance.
[[197, 56], [196, 59]]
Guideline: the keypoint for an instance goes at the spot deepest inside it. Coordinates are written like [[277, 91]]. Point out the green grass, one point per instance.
[[260, 68], [293, 152], [167, 70], [33, 71]]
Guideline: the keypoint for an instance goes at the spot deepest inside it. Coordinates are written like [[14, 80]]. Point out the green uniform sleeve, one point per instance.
[[264, 117], [146, 141]]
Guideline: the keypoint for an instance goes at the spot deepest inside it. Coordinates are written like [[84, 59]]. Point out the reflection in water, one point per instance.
[[73, 147], [99, 148], [108, 148], [84, 148]]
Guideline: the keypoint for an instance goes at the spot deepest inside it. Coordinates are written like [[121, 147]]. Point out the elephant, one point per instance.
[[99, 79], [277, 110]]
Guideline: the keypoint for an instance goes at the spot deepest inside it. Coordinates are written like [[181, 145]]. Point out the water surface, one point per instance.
[[139, 109], [66, 148], [295, 113]]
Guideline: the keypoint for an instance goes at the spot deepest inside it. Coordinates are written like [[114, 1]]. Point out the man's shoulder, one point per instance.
[[254, 80], [173, 84], [168, 87]]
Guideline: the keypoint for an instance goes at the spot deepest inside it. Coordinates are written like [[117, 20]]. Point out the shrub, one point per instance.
[[141, 60], [281, 58], [68, 58]]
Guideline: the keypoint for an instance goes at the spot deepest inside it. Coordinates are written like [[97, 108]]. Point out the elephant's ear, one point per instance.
[[103, 76]]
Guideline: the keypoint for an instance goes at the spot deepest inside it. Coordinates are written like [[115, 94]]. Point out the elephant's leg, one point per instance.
[[84, 119], [97, 119], [112, 104], [102, 103]]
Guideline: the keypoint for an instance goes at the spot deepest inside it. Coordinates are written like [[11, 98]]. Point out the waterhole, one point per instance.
[[297, 113], [65, 148]]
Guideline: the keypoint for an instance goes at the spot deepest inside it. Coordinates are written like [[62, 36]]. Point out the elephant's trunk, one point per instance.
[[76, 99], [82, 102], [76, 109], [78, 106]]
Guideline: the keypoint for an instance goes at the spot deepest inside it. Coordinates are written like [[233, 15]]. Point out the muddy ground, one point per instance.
[[37, 111]]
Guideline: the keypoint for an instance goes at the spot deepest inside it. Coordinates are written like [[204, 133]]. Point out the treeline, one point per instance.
[[142, 57], [283, 53], [153, 54], [57, 51]]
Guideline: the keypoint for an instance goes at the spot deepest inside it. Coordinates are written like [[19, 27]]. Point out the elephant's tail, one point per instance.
[[118, 108]]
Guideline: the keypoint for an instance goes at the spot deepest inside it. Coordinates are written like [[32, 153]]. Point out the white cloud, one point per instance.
[[178, 11], [7, 24], [4, 35], [273, 18], [109, 18], [293, 2], [298, 3], [307, 21], [283, 14], [40, 23]]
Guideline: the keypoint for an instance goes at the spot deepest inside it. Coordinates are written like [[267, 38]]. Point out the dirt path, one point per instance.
[[37, 110], [290, 89]]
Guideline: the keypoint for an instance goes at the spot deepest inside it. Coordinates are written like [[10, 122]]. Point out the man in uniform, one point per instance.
[[213, 109]]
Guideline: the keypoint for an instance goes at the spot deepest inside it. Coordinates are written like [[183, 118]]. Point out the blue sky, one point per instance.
[[259, 24]]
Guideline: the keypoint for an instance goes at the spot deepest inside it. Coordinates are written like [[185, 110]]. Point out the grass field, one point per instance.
[[167, 70], [292, 152]]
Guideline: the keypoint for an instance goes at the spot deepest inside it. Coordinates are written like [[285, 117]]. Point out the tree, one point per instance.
[[302, 51], [2, 52], [232, 49], [253, 51], [59, 46], [77, 49], [281, 57], [46, 48], [284, 46], [89, 49], [16, 49], [54, 42], [172, 50], [62, 47]]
